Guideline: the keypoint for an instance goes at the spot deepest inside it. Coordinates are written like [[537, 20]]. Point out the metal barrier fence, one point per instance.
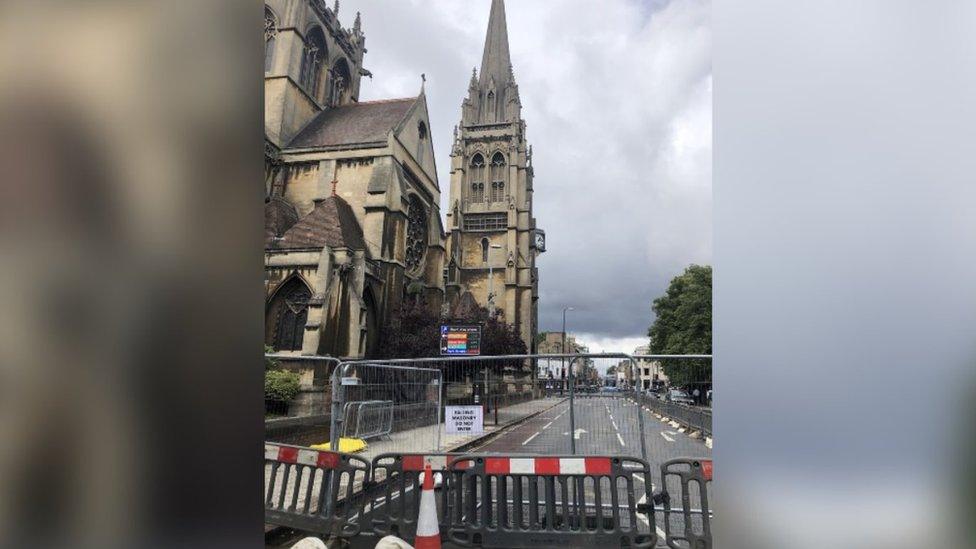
[[306, 420], [597, 409], [503, 387], [394, 504], [695, 418], [494, 501], [401, 402], [686, 379], [313, 491], [509, 388], [604, 417], [368, 419], [690, 524], [519, 502]]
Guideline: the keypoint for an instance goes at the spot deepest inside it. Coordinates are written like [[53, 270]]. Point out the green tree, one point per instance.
[[684, 326]]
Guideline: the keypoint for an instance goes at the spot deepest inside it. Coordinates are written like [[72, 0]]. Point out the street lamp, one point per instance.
[[564, 337], [491, 279]]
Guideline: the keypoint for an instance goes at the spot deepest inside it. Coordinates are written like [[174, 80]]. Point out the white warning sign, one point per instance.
[[464, 420]]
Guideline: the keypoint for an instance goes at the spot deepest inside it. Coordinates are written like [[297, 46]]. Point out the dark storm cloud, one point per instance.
[[618, 107]]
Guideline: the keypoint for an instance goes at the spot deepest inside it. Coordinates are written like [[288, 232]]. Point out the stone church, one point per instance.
[[492, 236], [352, 201]]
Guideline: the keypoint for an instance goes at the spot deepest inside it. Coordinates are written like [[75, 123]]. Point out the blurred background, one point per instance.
[[845, 278], [132, 273]]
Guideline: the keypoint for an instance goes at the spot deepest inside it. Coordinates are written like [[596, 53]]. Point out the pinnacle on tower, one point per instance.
[[335, 9]]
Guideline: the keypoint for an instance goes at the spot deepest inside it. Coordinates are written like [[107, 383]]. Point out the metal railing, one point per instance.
[[494, 501], [368, 419], [309, 417], [695, 418], [515, 502], [689, 480]]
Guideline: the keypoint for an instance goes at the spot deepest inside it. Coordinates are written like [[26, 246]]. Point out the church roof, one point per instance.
[[496, 62], [365, 123], [279, 216], [332, 223]]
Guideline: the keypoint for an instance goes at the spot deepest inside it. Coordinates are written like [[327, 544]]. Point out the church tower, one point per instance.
[[493, 241]]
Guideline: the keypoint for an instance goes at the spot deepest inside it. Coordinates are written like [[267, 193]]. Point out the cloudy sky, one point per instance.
[[617, 96]]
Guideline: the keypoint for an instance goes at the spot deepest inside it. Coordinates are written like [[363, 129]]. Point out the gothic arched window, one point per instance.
[[314, 55], [416, 234], [339, 82], [484, 250], [490, 108], [288, 314], [498, 178], [270, 35], [478, 178]]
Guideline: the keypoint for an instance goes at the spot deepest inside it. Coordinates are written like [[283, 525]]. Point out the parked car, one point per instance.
[[679, 396]]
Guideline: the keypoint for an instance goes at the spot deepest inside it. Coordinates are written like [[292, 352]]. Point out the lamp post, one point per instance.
[[564, 337], [491, 280]]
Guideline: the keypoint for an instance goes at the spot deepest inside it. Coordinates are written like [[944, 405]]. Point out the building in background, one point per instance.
[[493, 241], [650, 371], [551, 343], [352, 220], [624, 374]]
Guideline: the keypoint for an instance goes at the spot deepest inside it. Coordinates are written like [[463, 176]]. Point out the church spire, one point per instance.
[[496, 62]]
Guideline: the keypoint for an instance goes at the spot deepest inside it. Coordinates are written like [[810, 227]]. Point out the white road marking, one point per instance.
[[666, 437], [643, 518], [576, 433], [621, 439], [548, 425], [528, 440]]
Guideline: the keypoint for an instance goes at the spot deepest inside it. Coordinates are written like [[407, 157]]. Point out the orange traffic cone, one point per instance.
[[428, 533]]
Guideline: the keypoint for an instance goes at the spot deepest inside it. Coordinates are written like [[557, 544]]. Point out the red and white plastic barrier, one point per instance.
[[439, 462], [289, 454], [548, 466]]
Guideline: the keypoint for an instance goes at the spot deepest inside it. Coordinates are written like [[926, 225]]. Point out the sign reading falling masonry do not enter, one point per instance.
[[464, 420]]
